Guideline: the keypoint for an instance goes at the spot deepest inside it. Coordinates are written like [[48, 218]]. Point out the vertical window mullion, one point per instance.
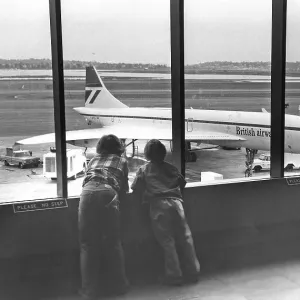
[[278, 87], [177, 83], [58, 97]]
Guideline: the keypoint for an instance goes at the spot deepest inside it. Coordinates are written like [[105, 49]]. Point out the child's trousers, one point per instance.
[[170, 229]]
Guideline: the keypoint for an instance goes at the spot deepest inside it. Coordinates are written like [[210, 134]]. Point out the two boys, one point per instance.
[[160, 184]]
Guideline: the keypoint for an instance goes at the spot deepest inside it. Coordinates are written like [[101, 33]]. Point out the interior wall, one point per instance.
[[245, 224], [234, 225]]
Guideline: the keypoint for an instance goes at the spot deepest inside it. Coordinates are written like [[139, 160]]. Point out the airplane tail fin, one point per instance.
[[96, 94]]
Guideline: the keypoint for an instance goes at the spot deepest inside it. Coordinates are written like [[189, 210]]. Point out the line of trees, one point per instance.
[[229, 66], [257, 67], [45, 64]]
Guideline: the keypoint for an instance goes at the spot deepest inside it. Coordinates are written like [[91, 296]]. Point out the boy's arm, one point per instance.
[[126, 186], [138, 185], [181, 181]]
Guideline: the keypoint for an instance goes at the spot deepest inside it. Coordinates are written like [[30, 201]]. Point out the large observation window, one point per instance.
[[117, 75], [292, 91], [127, 45], [227, 88], [26, 99]]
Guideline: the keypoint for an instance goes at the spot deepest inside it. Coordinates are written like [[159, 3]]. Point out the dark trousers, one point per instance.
[[170, 228], [99, 222]]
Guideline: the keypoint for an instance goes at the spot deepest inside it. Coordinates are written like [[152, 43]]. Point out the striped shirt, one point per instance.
[[108, 169]]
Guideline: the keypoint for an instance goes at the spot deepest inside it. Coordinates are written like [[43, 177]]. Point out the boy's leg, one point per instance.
[[161, 217], [90, 242], [111, 230], [186, 243]]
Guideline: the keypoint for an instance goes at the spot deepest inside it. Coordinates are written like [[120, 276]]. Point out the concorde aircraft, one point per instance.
[[225, 128]]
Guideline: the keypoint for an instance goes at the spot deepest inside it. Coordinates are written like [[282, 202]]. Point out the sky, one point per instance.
[[138, 31]]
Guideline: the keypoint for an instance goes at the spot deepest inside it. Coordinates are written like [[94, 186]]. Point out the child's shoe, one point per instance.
[[175, 281]]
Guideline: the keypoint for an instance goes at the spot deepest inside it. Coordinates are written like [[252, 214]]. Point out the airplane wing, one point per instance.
[[126, 132]]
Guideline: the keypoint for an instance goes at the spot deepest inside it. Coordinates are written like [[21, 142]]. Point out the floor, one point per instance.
[[272, 282]]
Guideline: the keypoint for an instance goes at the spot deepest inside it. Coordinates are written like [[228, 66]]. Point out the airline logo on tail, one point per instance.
[[96, 94], [91, 95], [93, 85]]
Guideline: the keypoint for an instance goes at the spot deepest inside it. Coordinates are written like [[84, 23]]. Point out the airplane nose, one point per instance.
[[78, 109]]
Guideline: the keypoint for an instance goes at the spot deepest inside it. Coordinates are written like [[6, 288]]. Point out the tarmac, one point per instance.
[[34, 185], [211, 162]]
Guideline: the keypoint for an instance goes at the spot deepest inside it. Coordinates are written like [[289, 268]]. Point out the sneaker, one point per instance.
[[85, 296], [190, 279], [173, 281], [119, 291]]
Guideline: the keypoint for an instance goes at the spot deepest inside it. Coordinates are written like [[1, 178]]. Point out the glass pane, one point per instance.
[[117, 67], [292, 91], [227, 88], [26, 106]]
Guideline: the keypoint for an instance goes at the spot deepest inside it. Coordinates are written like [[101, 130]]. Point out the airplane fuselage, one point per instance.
[[225, 128], [253, 127]]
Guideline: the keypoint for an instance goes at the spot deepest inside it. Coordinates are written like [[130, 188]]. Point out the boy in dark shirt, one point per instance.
[[160, 184]]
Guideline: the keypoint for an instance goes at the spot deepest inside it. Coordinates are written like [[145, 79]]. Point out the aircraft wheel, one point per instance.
[[188, 157], [21, 166], [6, 163], [193, 157]]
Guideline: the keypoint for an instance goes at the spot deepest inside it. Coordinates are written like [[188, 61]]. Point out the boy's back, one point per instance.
[[159, 180]]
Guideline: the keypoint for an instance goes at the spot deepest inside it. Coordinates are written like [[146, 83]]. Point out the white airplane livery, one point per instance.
[[225, 128]]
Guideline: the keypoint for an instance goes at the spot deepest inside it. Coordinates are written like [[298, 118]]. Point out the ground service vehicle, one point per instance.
[[21, 158], [263, 162], [76, 163]]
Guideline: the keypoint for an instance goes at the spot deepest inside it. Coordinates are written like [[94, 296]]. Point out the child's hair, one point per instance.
[[109, 144], [155, 151]]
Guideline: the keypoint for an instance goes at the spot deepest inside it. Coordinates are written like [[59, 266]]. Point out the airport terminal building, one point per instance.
[[141, 71]]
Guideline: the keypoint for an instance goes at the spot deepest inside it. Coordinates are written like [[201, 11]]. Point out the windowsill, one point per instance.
[[35, 190], [227, 181], [260, 177], [39, 190]]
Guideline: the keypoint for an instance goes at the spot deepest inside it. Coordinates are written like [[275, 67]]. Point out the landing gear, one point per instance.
[[134, 148], [190, 156], [250, 153], [248, 172]]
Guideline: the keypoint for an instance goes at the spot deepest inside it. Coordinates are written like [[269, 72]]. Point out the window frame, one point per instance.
[[58, 97], [278, 62], [177, 83]]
